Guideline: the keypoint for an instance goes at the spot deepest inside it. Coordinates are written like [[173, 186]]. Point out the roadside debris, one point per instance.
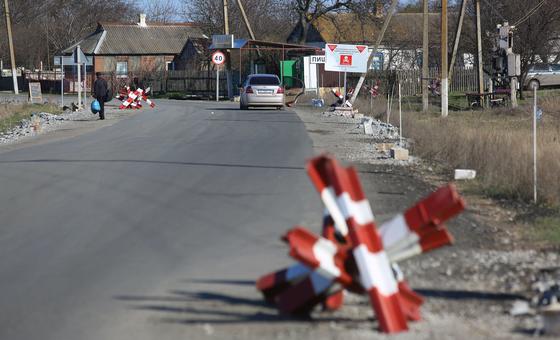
[[354, 255], [545, 303], [462, 174], [379, 129], [33, 125]]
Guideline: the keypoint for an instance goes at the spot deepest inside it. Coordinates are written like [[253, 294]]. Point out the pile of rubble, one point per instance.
[[380, 130], [40, 122]]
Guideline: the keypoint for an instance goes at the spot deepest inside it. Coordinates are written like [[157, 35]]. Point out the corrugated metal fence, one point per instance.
[[464, 80]]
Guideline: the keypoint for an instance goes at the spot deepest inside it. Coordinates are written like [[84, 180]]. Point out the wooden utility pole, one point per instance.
[[377, 43], [247, 24], [228, 54], [226, 17], [425, 59], [444, 63], [479, 54], [245, 20], [11, 46], [457, 38]]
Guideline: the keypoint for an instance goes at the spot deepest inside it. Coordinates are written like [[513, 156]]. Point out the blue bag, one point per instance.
[[95, 107]]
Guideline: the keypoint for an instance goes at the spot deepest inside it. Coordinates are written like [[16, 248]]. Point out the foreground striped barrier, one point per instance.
[[354, 255]]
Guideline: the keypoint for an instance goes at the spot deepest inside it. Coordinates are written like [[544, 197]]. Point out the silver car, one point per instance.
[[262, 90], [542, 75]]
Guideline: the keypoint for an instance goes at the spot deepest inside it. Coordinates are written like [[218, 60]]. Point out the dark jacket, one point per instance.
[[100, 89]]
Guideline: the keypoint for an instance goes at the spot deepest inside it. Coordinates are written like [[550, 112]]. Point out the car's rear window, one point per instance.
[[264, 80], [555, 67]]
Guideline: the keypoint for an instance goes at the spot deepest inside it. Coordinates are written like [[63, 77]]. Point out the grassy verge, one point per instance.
[[11, 115], [547, 230], [498, 144]]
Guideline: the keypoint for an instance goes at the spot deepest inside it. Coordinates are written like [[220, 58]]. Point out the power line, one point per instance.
[[530, 13]]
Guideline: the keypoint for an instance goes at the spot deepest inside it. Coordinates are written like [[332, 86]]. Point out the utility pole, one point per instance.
[[444, 63], [457, 38], [245, 20], [425, 60], [377, 43], [479, 54], [228, 54], [247, 24], [11, 44]]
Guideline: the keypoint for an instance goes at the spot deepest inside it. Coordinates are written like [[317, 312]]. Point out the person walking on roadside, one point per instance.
[[100, 91]]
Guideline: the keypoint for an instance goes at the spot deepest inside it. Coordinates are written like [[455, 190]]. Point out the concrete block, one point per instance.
[[359, 115], [384, 147], [368, 127], [400, 154], [465, 174]]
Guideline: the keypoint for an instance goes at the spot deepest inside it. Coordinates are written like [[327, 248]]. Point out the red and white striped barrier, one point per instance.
[[354, 255], [133, 99], [420, 228], [377, 278]]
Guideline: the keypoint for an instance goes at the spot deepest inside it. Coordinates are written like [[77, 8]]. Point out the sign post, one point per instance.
[[346, 58], [62, 81], [535, 144], [78, 61], [218, 58]]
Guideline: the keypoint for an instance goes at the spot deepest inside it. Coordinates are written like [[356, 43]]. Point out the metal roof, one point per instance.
[[246, 43], [132, 39]]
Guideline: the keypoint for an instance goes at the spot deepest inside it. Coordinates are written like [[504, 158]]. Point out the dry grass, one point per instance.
[[498, 144], [11, 115]]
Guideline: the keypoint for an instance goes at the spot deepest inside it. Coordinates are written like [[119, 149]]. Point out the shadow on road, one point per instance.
[[252, 166], [467, 295]]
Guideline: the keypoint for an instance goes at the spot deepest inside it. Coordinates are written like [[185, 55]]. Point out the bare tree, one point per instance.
[[308, 11], [162, 11], [270, 19], [44, 28]]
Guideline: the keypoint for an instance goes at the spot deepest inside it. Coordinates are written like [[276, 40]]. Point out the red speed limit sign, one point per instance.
[[218, 58]]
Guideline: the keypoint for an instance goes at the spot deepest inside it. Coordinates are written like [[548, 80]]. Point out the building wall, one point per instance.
[[136, 65]]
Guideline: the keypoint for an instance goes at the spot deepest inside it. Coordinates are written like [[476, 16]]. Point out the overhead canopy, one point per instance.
[[260, 44]]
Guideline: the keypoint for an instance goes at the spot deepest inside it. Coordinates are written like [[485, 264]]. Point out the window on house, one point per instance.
[[122, 68], [169, 66]]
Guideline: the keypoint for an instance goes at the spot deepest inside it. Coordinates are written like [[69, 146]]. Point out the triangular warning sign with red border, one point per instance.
[[332, 47], [361, 48]]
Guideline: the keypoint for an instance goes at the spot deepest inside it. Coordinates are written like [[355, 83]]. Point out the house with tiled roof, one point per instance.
[[132, 49]]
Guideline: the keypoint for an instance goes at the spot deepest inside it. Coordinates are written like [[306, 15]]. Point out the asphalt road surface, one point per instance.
[[101, 233]]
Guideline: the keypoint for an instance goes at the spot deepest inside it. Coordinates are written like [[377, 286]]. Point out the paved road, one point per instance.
[[93, 228]]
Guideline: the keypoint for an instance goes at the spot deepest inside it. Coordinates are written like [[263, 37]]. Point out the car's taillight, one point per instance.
[[248, 89], [280, 90]]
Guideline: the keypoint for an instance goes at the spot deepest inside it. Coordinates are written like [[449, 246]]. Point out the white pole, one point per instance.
[[535, 144], [79, 77], [371, 99], [317, 70], [62, 80], [344, 98], [400, 117], [85, 84], [218, 83], [388, 107]]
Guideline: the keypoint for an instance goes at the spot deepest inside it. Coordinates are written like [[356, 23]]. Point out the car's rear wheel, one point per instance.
[[243, 107], [534, 84]]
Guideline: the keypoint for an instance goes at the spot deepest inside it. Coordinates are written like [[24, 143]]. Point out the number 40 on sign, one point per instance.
[[218, 58]]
